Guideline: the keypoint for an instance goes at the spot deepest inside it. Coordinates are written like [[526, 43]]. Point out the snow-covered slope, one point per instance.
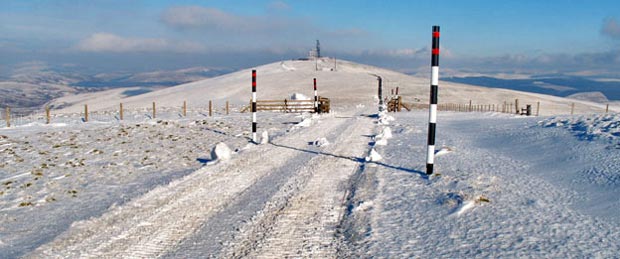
[[349, 84]]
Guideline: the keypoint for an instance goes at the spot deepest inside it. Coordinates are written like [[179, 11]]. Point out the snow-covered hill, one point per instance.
[[346, 83]]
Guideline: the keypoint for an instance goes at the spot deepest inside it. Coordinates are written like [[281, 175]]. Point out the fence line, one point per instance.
[[12, 117], [508, 107]]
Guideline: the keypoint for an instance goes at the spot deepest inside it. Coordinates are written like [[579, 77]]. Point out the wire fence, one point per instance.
[[19, 117], [513, 107]]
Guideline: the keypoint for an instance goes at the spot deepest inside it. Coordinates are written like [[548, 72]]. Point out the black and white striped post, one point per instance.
[[316, 98], [432, 118], [254, 106], [380, 93]]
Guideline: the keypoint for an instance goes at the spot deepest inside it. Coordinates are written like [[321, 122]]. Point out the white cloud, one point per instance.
[[107, 42], [197, 17], [278, 6]]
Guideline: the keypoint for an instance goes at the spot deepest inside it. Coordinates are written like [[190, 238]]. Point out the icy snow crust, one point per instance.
[[589, 127], [507, 187]]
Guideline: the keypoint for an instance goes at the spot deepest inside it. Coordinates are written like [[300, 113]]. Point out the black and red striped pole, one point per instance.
[[316, 98], [254, 107], [432, 118]]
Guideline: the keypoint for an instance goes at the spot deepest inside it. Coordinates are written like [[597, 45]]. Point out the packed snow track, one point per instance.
[[282, 199]]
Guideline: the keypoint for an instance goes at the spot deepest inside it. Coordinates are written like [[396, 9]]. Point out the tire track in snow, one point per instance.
[[221, 229], [155, 223], [305, 224]]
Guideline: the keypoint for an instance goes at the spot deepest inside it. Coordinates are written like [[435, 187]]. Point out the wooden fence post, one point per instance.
[[517, 106], [154, 111], [470, 106], [184, 108], [537, 108], [572, 108], [121, 111], [85, 112], [226, 107], [8, 117], [210, 108], [607, 108], [47, 114]]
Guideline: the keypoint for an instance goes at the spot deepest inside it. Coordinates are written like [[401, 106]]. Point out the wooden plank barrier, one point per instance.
[[287, 105]]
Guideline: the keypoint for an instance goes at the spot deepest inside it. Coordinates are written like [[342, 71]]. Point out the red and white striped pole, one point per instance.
[[254, 107], [316, 98], [432, 118]]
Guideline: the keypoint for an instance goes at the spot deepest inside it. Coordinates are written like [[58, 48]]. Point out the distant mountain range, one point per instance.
[[30, 87], [154, 78], [563, 86]]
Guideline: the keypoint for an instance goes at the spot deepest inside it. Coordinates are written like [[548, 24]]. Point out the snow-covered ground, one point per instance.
[[506, 186], [53, 175]]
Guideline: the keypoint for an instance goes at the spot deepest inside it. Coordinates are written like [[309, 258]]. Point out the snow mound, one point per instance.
[[264, 137], [373, 156], [305, 123], [287, 68], [381, 142], [384, 119], [321, 142], [588, 127], [301, 97], [221, 152], [443, 151], [386, 133]]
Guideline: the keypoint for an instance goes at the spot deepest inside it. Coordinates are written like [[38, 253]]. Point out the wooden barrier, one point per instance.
[[154, 112], [293, 105], [227, 108], [210, 108], [184, 108], [395, 104]]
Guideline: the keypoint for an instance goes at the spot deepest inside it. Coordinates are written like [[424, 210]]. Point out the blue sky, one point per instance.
[[485, 36]]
